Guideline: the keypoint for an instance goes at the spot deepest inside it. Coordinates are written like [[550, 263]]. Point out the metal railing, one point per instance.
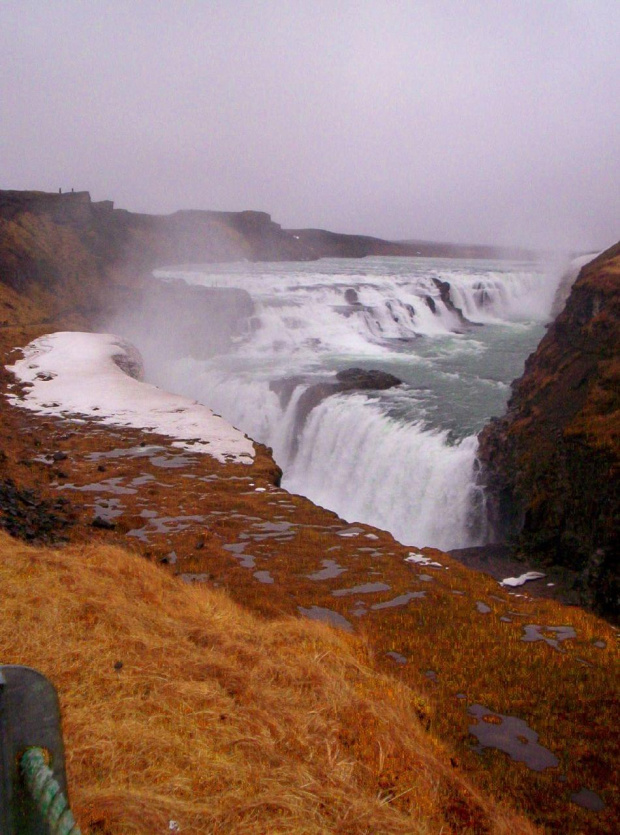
[[33, 783]]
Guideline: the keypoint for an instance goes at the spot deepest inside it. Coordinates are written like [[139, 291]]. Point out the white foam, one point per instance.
[[387, 458], [399, 477], [77, 373]]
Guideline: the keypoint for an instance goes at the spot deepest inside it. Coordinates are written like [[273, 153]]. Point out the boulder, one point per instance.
[[347, 380]]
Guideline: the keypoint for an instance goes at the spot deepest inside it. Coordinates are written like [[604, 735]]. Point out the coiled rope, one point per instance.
[[45, 791]]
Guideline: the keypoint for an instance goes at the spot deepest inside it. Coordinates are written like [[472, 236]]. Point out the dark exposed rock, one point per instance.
[[551, 463], [349, 379], [444, 293], [103, 524], [362, 378], [285, 389], [26, 516]]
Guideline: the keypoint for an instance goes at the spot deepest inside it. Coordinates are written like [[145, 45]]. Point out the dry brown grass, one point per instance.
[[219, 720]]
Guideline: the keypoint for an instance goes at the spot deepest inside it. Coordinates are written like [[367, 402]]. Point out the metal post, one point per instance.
[[29, 717]]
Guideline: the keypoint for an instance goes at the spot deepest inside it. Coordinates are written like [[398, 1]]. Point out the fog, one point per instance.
[[482, 122]]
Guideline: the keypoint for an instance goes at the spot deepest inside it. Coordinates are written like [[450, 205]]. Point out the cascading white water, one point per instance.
[[490, 298], [416, 485], [402, 459]]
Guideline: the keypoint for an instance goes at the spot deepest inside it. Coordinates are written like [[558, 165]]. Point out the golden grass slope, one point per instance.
[[218, 720]]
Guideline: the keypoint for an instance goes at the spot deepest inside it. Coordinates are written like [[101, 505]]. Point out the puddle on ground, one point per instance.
[[205, 478], [195, 578], [588, 800], [533, 632], [108, 509], [280, 531], [263, 577], [396, 656], [243, 517], [163, 525], [482, 607], [365, 588], [125, 452], [108, 485], [401, 600], [347, 532], [599, 644], [147, 478], [504, 619], [172, 462], [511, 735], [426, 578], [326, 616], [330, 570], [237, 548]]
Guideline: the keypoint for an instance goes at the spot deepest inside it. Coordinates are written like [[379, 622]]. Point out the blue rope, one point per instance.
[[45, 791]]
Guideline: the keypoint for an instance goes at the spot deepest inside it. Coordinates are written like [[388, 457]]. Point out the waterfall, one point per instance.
[[455, 333], [415, 484]]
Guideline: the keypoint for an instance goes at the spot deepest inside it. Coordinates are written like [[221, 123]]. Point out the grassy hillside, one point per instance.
[[180, 705]]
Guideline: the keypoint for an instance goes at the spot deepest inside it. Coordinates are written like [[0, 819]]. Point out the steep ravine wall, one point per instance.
[[551, 463]]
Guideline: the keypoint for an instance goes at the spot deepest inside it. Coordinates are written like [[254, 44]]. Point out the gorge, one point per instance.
[[292, 320], [481, 655]]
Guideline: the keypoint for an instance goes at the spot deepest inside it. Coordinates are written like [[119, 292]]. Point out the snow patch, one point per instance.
[[522, 578], [85, 373]]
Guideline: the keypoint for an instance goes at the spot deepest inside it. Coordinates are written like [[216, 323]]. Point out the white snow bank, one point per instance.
[[79, 373], [523, 578]]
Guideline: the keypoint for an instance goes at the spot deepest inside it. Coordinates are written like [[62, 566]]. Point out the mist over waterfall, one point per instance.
[[453, 332]]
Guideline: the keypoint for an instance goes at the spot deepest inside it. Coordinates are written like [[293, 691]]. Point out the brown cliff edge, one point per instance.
[[551, 463]]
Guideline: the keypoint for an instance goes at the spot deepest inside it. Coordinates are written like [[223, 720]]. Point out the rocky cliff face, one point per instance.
[[551, 463], [88, 264], [66, 246]]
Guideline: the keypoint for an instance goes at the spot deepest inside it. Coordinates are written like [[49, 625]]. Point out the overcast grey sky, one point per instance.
[[491, 121]]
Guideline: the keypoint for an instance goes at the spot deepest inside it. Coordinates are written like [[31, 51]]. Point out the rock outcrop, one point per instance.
[[66, 247], [347, 380], [551, 463]]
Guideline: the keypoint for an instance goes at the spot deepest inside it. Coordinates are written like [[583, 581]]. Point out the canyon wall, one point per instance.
[[551, 463]]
